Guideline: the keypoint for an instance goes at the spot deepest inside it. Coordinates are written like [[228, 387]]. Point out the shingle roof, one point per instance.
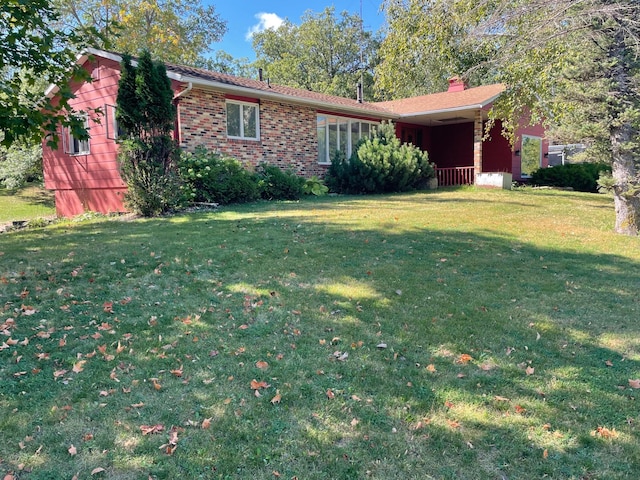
[[268, 88], [437, 102]]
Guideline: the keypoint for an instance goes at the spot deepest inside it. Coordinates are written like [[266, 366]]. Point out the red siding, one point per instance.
[[86, 182], [452, 145], [496, 151]]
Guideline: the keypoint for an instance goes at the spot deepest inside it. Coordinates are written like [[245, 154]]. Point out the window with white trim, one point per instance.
[[72, 144], [114, 130], [243, 120], [339, 133]]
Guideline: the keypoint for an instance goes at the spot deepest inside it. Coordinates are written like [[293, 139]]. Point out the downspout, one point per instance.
[[175, 100]]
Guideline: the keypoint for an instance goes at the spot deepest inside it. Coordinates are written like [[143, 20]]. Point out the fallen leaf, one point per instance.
[[206, 423], [609, 363], [545, 454], [520, 410], [177, 372], [59, 373], [431, 368], [355, 422], [530, 370], [256, 385], [501, 399], [634, 383], [464, 358], [604, 432], [97, 470], [454, 423], [330, 394], [448, 404], [262, 365], [151, 429], [79, 366], [72, 450], [277, 398]]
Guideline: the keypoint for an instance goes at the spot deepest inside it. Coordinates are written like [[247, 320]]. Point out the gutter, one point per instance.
[[182, 92]]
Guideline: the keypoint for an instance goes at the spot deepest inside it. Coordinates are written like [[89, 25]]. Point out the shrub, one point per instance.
[[209, 177], [315, 186], [20, 163], [380, 164], [147, 167], [277, 184], [582, 177]]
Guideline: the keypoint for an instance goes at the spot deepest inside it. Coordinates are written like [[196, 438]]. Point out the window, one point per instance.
[[531, 155], [339, 133], [113, 128], [243, 120], [72, 144]]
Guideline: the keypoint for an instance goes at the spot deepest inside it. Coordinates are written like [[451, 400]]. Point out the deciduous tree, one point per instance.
[[33, 52], [570, 63], [322, 54], [178, 31]]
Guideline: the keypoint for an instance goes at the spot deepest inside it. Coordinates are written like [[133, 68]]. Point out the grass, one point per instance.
[[26, 203], [472, 334]]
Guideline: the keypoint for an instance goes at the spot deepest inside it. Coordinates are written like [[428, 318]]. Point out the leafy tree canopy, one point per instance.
[[322, 54], [33, 53], [178, 31], [573, 64]]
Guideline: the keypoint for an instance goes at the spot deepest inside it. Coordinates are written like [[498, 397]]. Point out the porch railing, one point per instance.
[[452, 176]]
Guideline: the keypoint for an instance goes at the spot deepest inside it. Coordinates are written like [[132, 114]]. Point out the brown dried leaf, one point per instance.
[[277, 398], [72, 450], [634, 383], [262, 365], [206, 423], [79, 366]]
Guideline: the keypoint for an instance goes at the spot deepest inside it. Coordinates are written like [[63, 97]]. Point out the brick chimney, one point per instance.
[[456, 84]]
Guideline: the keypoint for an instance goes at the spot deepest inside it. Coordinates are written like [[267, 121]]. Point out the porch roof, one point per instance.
[[445, 107]]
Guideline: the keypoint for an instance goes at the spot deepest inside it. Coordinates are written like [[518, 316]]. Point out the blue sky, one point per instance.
[[245, 16]]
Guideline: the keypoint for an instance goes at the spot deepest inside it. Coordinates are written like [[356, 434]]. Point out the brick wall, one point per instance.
[[288, 135]]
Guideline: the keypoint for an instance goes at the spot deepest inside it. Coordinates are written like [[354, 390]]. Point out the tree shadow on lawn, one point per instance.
[[430, 296]]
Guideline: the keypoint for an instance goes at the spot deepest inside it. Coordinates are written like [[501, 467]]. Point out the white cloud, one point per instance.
[[266, 21]]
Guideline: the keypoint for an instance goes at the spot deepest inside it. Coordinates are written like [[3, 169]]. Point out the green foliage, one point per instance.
[[322, 54], [33, 51], [20, 163], [582, 177], [315, 186], [277, 184], [148, 154], [211, 178], [408, 69], [380, 164], [172, 30], [146, 166], [605, 182]]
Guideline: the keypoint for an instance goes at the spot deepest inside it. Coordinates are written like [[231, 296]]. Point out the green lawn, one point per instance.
[[26, 204], [454, 334]]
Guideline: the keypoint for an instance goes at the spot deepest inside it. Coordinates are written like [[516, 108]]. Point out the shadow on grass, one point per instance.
[[429, 295]]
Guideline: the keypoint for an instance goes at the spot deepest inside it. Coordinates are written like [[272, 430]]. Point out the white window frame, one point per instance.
[[328, 153], [74, 146], [532, 137], [111, 122], [242, 106]]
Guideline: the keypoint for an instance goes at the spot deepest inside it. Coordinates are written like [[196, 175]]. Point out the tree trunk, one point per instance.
[[626, 185], [624, 135]]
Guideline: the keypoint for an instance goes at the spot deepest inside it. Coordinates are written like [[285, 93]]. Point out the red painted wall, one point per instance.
[[452, 145], [497, 155], [89, 182]]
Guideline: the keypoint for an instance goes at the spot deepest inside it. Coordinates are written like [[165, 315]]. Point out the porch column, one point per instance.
[[477, 142]]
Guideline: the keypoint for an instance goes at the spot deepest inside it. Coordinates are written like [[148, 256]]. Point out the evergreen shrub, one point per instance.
[[380, 164], [582, 177]]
